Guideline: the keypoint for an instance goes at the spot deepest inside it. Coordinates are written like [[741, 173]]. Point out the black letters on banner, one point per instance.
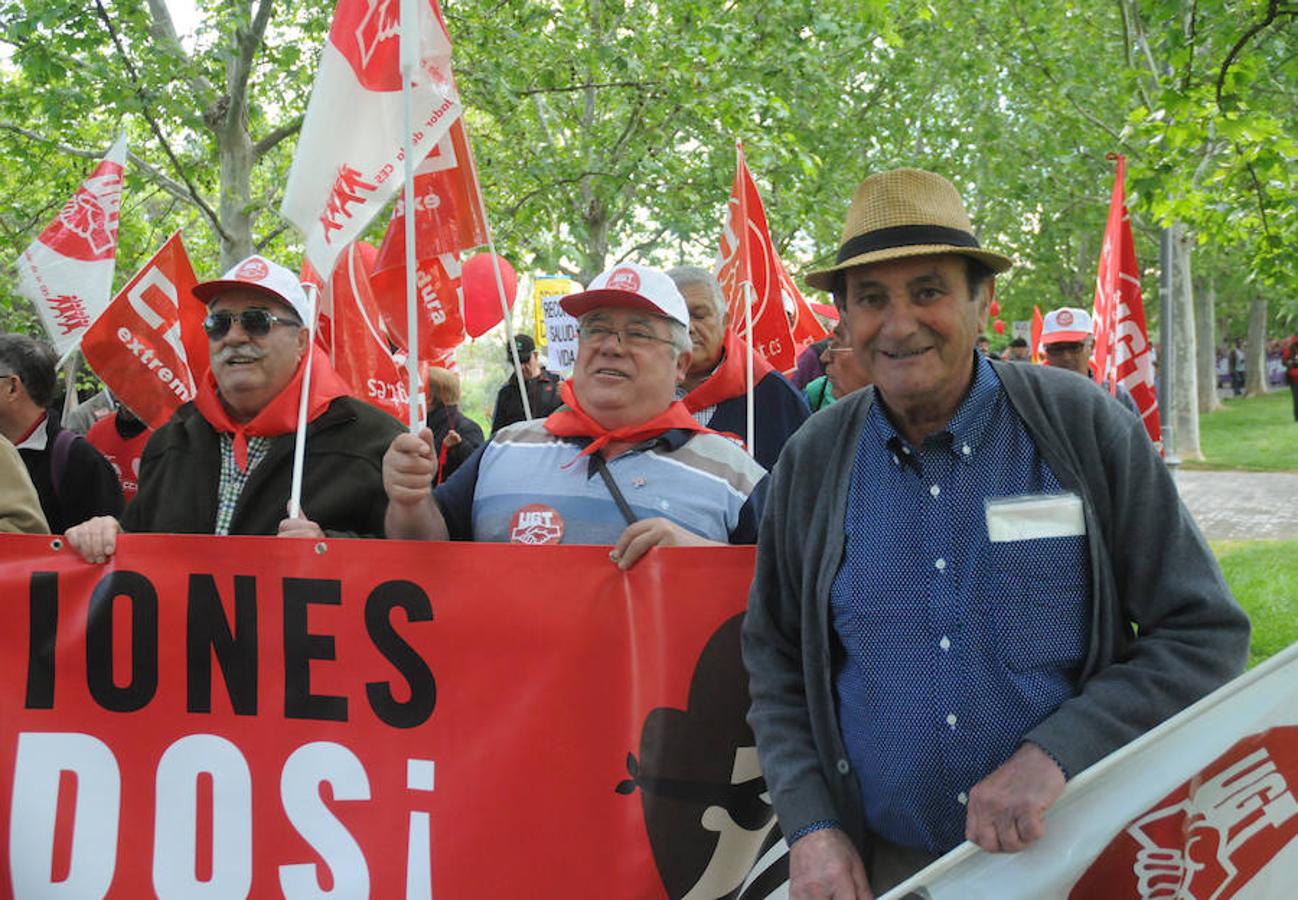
[[42, 636], [144, 642], [300, 647], [423, 687], [208, 636]]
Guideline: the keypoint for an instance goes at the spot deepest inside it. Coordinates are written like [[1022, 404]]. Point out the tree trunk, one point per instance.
[[1185, 404], [1205, 334], [1255, 350]]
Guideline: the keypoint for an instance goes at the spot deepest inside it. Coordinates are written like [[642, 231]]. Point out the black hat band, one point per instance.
[[905, 236]]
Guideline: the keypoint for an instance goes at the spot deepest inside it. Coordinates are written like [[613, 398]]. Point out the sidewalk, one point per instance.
[[1232, 505]]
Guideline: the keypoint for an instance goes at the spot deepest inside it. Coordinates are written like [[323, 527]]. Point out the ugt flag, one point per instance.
[[67, 272], [149, 346], [349, 156], [748, 260], [1123, 354]]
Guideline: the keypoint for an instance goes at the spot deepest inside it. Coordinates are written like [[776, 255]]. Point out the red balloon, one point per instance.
[[481, 298], [994, 309], [999, 325]]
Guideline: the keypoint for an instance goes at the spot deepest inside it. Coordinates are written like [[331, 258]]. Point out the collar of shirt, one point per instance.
[[37, 438], [963, 435]]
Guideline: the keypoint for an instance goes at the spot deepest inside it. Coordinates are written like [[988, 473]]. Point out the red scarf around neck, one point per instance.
[[279, 416], [730, 378], [571, 420]]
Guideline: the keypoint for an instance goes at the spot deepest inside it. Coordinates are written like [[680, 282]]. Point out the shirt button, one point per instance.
[[962, 798], [934, 490], [939, 564], [950, 719], [964, 448], [844, 767], [945, 643], [895, 460]]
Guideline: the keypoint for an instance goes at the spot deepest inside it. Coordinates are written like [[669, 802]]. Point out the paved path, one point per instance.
[[1242, 505]]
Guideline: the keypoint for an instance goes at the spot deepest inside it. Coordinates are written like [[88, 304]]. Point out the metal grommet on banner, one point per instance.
[[56, 544], [321, 548]]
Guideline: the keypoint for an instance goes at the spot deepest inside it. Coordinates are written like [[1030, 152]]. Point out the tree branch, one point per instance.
[[266, 144], [573, 88], [241, 66], [643, 245], [265, 241], [1273, 12], [164, 32]]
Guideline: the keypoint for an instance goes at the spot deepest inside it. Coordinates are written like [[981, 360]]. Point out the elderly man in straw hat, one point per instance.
[[974, 579]]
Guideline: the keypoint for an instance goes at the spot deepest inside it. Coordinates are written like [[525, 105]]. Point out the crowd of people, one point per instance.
[[974, 577]]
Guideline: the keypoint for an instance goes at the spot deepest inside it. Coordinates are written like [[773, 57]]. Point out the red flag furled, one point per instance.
[[148, 346], [439, 292], [67, 272], [1038, 325], [349, 155], [1123, 354], [748, 258]]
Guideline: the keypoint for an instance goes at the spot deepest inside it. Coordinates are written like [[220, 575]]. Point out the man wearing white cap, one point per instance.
[[223, 463], [621, 463], [1068, 339]]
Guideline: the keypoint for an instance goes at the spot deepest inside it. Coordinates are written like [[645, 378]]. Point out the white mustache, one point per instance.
[[247, 351]]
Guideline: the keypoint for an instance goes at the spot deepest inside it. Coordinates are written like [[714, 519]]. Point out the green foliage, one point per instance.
[[1263, 576]]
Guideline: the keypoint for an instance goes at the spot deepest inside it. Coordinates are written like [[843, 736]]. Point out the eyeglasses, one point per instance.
[[255, 322], [635, 336]]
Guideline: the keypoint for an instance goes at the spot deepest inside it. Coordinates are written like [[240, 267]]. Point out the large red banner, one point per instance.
[[265, 717]]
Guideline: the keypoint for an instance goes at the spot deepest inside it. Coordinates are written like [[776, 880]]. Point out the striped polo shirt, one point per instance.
[[529, 486]]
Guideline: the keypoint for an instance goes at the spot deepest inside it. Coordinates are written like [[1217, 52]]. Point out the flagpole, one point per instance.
[[409, 62], [747, 282], [299, 442]]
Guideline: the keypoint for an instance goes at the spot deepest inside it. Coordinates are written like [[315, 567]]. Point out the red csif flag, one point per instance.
[[1038, 326], [349, 156], [1123, 354], [748, 259], [67, 272], [148, 346]]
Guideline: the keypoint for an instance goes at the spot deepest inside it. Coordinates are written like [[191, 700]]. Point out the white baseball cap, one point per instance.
[[630, 285], [1065, 324], [259, 274]]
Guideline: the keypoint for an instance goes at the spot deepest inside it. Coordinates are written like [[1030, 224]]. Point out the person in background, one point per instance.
[[455, 435], [1289, 356], [1068, 340], [983, 345], [1018, 351], [716, 386], [542, 387], [1238, 367], [809, 366], [844, 372], [72, 478], [121, 437], [20, 507]]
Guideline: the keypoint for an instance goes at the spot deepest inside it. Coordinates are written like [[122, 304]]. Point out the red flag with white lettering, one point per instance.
[[67, 272], [751, 261], [1038, 326], [1123, 354], [349, 156], [439, 291], [148, 346]]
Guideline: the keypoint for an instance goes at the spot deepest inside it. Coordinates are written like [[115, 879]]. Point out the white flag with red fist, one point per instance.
[[350, 153], [1203, 806], [67, 272]]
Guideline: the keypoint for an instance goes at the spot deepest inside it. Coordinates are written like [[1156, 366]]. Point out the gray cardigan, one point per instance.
[[1151, 572]]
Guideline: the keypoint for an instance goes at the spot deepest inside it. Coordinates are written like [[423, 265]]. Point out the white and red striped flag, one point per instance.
[[67, 272], [349, 156], [1203, 806], [752, 260], [1123, 354]]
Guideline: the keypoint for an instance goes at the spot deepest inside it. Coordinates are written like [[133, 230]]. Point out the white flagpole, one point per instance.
[[299, 442], [409, 63], [748, 322]]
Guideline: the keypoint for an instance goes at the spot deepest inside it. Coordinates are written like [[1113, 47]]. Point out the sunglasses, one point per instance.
[[255, 322]]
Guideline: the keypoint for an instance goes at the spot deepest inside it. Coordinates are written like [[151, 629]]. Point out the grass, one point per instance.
[[1264, 578], [1256, 434]]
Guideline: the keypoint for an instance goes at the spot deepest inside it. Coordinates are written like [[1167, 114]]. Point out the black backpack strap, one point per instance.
[[63, 442]]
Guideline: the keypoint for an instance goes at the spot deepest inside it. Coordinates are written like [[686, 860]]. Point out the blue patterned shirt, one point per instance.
[[955, 644]]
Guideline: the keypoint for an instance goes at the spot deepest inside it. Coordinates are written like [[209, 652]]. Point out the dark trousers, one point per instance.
[[1293, 389], [1237, 382]]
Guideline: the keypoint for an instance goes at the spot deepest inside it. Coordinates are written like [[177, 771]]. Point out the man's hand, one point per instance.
[[452, 439], [408, 470], [95, 539], [824, 864], [299, 527], [637, 540], [1007, 809]]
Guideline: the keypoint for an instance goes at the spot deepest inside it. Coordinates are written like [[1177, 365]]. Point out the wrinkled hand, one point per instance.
[[1007, 809], [824, 864], [94, 539], [299, 527], [409, 467], [646, 534], [452, 439]]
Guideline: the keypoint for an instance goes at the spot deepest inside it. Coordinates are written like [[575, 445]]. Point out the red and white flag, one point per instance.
[[1203, 806], [148, 346], [1038, 326], [1123, 354], [349, 156], [67, 272], [748, 259]]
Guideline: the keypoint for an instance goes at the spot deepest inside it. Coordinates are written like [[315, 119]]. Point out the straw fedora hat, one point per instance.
[[905, 212]]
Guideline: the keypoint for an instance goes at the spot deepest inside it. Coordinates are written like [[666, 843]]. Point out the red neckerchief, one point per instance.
[[730, 378], [279, 416], [571, 420]]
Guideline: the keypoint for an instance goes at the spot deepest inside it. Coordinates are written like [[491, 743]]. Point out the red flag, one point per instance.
[[148, 346], [439, 292], [752, 261], [360, 350], [1038, 325], [1123, 354]]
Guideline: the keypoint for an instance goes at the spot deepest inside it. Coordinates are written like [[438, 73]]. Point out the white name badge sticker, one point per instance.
[[1034, 516]]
